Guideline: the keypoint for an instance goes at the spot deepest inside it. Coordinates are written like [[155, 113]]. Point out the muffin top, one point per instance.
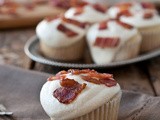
[[87, 13], [60, 31], [73, 93], [137, 14], [107, 37]]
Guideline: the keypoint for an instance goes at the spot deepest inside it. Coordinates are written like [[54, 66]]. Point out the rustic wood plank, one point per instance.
[[132, 78], [154, 71]]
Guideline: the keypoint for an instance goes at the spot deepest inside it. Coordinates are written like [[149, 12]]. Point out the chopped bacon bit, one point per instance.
[[75, 22], [125, 25], [77, 72], [51, 18], [147, 5], [106, 42], [78, 3], [124, 4], [148, 15], [53, 78], [90, 79], [99, 8], [108, 82], [68, 82], [68, 93], [62, 72], [67, 31], [124, 13], [79, 10], [103, 25]]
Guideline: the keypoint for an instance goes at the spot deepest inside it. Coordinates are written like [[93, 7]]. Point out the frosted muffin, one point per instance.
[[81, 95], [113, 40], [90, 13], [61, 38], [143, 16]]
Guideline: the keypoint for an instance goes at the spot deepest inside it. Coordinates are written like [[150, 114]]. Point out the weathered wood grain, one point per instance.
[[132, 78]]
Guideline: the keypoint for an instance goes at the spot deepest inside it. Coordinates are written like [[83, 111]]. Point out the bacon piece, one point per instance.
[[108, 82], [62, 72], [148, 15], [79, 10], [99, 8], [51, 78], [78, 3], [68, 94], [51, 18], [90, 79], [103, 25], [68, 82], [147, 5], [75, 22], [125, 25], [67, 31], [124, 4], [106, 42], [124, 13], [99, 78], [78, 72]]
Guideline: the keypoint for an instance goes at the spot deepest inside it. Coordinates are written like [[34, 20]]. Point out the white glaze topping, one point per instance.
[[107, 55], [137, 12], [89, 15], [51, 36], [92, 97]]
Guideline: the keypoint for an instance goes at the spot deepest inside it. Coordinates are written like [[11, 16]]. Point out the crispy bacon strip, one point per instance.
[[99, 8], [69, 91], [125, 25], [79, 10], [124, 13], [147, 5], [75, 22], [66, 30], [108, 82], [148, 15], [79, 3], [78, 72], [68, 82], [124, 4], [103, 25], [106, 42]]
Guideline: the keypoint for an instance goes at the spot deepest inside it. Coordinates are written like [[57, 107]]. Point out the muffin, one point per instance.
[[81, 95], [61, 38], [90, 13], [143, 16], [113, 40]]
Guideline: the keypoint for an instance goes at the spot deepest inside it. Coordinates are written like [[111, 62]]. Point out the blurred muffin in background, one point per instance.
[[61, 38], [145, 17], [113, 40]]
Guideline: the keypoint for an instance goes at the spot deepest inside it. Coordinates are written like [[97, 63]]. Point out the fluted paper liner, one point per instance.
[[150, 38], [108, 111], [72, 52], [130, 49]]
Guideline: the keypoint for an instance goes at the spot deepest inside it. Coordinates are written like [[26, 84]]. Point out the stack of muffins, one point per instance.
[[112, 34]]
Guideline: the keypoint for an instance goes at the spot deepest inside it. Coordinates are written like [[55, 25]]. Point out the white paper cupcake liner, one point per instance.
[[70, 53], [130, 50], [150, 38], [108, 111]]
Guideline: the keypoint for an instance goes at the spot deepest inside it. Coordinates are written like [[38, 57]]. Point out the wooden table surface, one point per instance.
[[142, 77]]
